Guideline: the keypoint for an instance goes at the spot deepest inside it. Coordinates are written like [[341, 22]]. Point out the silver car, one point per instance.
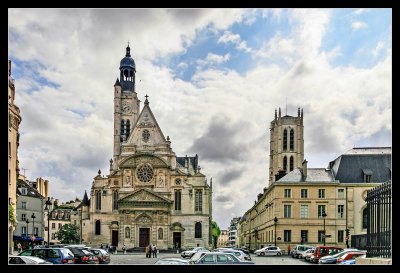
[[305, 253], [269, 251], [191, 251], [171, 261], [13, 259], [239, 254]]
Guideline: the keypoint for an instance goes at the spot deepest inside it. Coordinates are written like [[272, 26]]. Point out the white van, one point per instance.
[[298, 249]]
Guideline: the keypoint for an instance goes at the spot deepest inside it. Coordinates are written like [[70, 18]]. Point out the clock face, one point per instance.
[[126, 108]]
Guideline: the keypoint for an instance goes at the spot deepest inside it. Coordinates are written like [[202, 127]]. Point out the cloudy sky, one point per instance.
[[214, 79]]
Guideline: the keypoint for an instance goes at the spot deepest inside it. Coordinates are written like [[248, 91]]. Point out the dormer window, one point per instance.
[[23, 191], [367, 173]]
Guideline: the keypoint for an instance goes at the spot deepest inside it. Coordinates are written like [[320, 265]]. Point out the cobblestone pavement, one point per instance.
[[140, 258]]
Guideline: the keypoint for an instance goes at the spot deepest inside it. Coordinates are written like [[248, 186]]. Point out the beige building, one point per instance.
[[58, 218], [149, 194], [290, 210], [14, 119], [223, 238]]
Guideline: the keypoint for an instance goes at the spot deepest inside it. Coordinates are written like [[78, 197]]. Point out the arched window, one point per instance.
[[291, 163], [197, 230], [98, 200], [160, 234], [115, 199], [291, 140], [128, 128], [122, 128], [97, 231], [285, 163], [127, 232], [284, 139], [365, 218]]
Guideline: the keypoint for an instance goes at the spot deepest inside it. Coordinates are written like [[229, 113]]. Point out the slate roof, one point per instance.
[[193, 160], [351, 166], [313, 175], [30, 191], [85, 201]]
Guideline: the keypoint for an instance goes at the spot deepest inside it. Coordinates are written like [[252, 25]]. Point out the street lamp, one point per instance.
[[324, 215], [47, 207], [27, 222], [33, 225], [275, 220]]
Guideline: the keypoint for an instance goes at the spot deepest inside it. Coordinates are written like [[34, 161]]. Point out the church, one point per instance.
[[150, 195]]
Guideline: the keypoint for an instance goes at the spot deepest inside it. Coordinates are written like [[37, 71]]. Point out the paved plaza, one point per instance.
[[140, 258]]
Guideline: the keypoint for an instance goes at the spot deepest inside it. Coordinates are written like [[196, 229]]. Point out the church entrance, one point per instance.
[[177, 239], [144, 237], [114, 238]]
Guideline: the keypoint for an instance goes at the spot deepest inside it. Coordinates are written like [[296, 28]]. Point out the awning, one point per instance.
[[367, 171], [25, 238]]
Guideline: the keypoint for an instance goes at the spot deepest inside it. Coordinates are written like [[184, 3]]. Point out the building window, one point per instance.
[[285, 163], [23, 231], [285, 140], [304, 193], [287, 235], [36, 232], [23, 205], [321, 193], [321, 209], [23, 191], [367, 178], [53, 236], [59, 225], [128, 129], [291, 163], [365, 218], [178, 200], [53, 225], [304, 211], [23, 217], [97, 227], [288, 193], [304, 236], [115, 200], [340, 211], [321, 236], [197, 230], [340, 193], [98, 200], [340, 236], [287, 211], [122, 129], [198, 201], [291, 140]]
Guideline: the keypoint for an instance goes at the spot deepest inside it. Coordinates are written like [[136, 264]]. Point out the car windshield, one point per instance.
[[190, 249], [85, 251], [67, 252]]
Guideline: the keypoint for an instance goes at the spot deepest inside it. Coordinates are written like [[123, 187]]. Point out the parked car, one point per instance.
[[309, 256], [352, 255], [219, 258], [83, 256], [332, 259], [53, 255], [191, 251], [244, 249], [171, 261], [351, 261], [197, 256], [13, 259], [103, 256], [298, 249], [322, 251], [305, 253], [238, 253], [269, 250]]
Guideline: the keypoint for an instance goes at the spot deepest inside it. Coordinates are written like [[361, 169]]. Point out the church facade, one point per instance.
[[150, 195]]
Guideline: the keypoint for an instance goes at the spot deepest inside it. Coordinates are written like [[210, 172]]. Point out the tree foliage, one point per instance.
[[215, 232], [68, 234]]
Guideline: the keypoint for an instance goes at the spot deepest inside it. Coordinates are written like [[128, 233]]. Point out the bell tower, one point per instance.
[[286, 144], [126, 104]]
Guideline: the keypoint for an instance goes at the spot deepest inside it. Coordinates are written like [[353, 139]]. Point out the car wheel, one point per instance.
[[278, 254], [262, 254]]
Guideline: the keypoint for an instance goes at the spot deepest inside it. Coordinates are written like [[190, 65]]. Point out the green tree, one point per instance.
[[215, 232], [68, 234]]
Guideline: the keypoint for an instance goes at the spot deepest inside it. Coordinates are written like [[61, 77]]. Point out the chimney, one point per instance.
[[304, 166]]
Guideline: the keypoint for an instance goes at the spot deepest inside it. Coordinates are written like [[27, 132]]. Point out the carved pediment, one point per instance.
[[144, 195], [135, 160]]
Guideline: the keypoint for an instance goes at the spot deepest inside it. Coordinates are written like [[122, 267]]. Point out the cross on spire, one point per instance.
[[146, 101]]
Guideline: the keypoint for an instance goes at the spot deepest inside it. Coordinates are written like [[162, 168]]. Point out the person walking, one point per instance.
[[107, 247], [154, 248], [19, 247], [147, 251], [288, 250], [101, 246], [149, 246], [124, 249]]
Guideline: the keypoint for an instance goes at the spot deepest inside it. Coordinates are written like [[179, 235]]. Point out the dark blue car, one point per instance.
[[53, 255], [219, 258]]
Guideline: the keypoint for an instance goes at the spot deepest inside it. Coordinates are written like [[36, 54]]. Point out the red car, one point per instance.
[[351, 255], [322, 251]]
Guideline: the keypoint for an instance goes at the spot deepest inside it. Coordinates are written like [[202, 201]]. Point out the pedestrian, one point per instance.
[[147, 251], [288, 250], [101, 246], [154, 251], [19, 247], [107, 247], [123, 249]]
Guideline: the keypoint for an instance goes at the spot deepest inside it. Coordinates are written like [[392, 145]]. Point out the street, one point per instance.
[[140, 258]]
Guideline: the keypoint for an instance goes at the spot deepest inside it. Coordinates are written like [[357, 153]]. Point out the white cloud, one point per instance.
[[358, 25]]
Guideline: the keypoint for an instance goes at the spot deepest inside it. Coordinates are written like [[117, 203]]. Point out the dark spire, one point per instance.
[[117, 83], [128, 51], [85, 201], [146, 102]]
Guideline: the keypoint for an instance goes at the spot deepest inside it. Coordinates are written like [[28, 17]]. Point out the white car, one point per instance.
[[269, 250], [305, 253], [191, 251], [26, 260]]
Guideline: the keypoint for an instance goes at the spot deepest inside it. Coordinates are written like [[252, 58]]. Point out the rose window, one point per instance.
[[178, 181], [145, 173]]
